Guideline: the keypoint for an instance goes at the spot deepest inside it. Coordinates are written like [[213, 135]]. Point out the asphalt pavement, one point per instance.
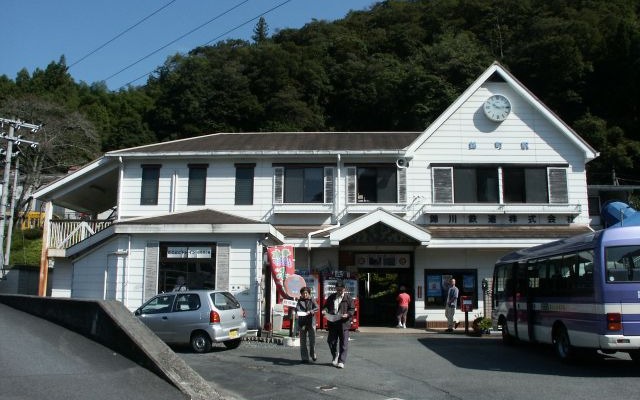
[[413, 364], [41, 360]]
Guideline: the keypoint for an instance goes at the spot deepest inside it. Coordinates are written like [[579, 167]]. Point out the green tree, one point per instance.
[[260, 31]]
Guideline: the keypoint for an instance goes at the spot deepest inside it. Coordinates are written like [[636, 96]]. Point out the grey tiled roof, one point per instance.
[[282, 141]]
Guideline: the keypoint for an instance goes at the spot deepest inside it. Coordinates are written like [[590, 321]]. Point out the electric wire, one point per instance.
[[175, 40], [217, 37], [122, 33]]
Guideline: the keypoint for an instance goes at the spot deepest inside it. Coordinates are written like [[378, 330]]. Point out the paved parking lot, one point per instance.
[[413, 364]]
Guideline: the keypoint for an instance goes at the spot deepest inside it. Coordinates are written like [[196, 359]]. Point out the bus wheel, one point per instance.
[[506, 337], [562, 345]]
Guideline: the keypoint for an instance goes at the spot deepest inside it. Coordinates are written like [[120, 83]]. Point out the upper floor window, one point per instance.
[[468, 184], [376, 184], [197, 184], [303, 184], [244, 184], [150, 182]]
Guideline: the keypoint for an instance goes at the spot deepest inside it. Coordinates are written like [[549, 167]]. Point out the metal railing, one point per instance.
[[66, 233]]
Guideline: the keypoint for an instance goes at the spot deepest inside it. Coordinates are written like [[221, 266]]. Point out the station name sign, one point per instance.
[[189, 252]]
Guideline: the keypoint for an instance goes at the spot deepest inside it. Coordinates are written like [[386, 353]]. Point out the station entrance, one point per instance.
[[377, 291]]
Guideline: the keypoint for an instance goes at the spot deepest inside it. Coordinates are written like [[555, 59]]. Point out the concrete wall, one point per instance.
[[112, 325]]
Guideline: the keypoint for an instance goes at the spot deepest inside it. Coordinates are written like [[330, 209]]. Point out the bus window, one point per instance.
[[622, 263]]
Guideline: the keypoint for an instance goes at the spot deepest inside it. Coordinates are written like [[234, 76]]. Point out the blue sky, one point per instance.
[[33, 33]]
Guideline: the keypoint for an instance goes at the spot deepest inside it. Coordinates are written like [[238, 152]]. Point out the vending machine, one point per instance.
[[350, 286]]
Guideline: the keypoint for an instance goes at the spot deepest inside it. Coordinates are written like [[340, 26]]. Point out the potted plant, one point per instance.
[[481, 325]]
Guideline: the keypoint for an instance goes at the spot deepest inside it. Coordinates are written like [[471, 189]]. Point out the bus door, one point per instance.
[[522, 304]]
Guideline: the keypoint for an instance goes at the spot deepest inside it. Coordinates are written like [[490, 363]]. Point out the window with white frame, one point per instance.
[[376, 184], [303, 184], [500, 184]]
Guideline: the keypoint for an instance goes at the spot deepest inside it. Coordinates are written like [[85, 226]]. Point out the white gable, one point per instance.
[[530, 128]]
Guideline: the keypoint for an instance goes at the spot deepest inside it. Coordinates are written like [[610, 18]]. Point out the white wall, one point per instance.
[[447, 259]]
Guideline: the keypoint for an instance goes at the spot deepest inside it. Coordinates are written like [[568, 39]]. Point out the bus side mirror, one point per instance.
[[485, 285]]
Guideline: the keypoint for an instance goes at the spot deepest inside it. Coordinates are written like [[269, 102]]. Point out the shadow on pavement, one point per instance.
[[489, 353]]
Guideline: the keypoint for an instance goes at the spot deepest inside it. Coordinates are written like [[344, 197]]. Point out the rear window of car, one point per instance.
[[224, 301]]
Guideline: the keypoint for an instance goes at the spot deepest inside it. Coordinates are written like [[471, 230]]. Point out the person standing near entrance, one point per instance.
[[339, 310], [403, 300], [452, 301], [306, 309]]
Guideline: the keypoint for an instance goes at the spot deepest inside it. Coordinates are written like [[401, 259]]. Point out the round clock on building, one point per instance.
[[497, 108]]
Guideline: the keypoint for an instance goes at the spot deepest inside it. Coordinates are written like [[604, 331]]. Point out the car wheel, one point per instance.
[[562, 345], [232, 344], [200, 342]]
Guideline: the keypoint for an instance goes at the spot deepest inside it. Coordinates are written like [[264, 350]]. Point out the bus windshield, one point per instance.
[[623, 264]]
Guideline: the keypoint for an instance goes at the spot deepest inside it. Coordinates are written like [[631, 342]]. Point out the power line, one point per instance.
[[123, 32], [217, 37], [175, 40]]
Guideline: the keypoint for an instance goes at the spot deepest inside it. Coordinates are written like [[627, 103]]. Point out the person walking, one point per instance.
[[452, 301], [339, 310], [306, 309], [403, 300]]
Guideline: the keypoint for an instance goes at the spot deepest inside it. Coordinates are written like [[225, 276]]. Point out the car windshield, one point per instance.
[[224, 301], [623, 263]]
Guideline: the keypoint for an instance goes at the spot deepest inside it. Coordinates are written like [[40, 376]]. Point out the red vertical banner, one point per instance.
[[282, 265]]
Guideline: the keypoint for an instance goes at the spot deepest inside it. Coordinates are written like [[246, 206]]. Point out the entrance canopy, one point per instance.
[[380, 216]]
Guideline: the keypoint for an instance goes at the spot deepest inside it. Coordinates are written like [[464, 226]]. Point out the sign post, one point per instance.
[[466, 305]]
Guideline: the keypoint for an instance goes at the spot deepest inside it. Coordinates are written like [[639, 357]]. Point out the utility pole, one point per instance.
[[14, 125]]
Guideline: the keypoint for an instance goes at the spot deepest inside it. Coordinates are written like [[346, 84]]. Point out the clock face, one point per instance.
[[497, 108]]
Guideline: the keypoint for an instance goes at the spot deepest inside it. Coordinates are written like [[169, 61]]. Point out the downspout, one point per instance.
[[335, 215], [126, 272]]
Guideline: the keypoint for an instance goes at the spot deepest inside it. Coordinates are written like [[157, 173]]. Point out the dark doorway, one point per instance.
[[377, 291]]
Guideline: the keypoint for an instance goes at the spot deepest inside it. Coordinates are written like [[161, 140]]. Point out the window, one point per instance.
[[158, 305], [480, 185], [187, 302], [303, 184], [524, 185], [197, 184], [188, 264], [471, 184], [150, 181], [376, 184], [244, 184], [437, 286]]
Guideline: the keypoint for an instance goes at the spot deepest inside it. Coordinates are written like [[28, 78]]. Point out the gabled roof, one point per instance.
[[497, 69], [278, 143], [380, 216]]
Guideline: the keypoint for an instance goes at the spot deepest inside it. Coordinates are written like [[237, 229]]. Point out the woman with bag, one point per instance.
[[306, 310]]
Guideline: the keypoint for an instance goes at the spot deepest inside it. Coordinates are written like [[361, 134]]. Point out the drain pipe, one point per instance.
[[335, 216]]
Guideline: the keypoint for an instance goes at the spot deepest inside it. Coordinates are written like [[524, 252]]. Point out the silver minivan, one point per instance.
[[195, 317]]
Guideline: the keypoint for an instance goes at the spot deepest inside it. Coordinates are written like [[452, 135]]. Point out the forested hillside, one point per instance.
[[396, 66]]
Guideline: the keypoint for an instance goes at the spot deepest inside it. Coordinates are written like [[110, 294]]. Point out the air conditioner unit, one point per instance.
[[402, 162]]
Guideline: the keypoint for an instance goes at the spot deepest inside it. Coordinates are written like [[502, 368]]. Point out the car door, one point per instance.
[[187, 317], [156, 315]]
